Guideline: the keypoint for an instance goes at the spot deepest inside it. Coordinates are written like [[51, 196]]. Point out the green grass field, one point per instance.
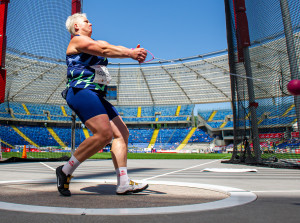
[[150, 155], [166, 156], [281, 155], [35, 155], [130, 155]]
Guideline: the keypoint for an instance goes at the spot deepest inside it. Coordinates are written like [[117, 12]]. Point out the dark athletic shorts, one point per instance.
[[88, 103]]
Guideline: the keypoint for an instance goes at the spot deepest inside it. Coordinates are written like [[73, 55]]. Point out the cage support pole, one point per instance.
[[3, 22], [290, 44], [243, 44], [252, 105], [232, 68]]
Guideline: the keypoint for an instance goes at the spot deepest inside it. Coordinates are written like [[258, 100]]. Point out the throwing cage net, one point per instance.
[[266, 115], [35, 115], [33, 111], [35, 121]]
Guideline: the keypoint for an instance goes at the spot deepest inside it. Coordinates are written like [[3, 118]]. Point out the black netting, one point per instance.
[[275, 110], [36, 75]]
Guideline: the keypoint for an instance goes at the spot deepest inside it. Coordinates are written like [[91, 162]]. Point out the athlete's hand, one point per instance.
[[139, 54]]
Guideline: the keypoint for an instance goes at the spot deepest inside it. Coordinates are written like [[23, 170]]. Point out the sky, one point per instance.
[[170, 29]]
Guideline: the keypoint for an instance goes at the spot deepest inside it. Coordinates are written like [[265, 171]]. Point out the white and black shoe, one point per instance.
[[131, 187]]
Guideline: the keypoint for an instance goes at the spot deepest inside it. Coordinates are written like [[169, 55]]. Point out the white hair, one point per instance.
[[71, 20]]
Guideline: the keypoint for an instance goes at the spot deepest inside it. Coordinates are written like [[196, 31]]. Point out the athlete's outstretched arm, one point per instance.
[[86, 44]]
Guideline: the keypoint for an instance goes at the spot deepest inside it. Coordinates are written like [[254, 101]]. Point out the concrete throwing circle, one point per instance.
[[88, 198]]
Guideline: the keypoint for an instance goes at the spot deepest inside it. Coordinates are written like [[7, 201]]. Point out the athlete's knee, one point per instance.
[[123, 135], [126, 134], [105, 136]]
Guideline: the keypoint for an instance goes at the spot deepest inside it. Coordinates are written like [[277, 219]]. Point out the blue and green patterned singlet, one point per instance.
[[80, 74]]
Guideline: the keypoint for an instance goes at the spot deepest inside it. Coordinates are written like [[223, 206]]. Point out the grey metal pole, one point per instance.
[[232, 67], [290, 44], [73, 126], [254, 127]]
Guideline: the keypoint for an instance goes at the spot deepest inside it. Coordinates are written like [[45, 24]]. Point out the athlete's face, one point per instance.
[[84, 26]]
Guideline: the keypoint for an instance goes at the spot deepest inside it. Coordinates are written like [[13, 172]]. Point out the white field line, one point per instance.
[[47, 166], [276, 191], [180, 170]]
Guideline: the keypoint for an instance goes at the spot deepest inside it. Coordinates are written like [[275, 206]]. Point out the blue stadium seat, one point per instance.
[[174, 118], [166, 110], [170, 138], [9, 135], [200, 136], [140, 137], [148, 111], [39, 135], [186, 110], [215, 124], [31, 117], [64, 134], [205, 114], [221, 114], [5, 115], [17, 107], [277, 121], [3, 107]]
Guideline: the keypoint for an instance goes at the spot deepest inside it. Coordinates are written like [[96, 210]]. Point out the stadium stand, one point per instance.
[[64, 134], [290, 144], [200, 136], [186, 109], [170, 138], [44, 138], [140, 137], [277, 121], [148, 111], [5, 115], [9, 135], [135, 119], [215, 124], [127, 111], [63, 113], [16, 107], [268, 115], [166, 110], [221, 114], [166, 119], [205, 114]]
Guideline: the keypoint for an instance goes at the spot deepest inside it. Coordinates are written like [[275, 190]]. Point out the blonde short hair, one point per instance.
[[71, 20]]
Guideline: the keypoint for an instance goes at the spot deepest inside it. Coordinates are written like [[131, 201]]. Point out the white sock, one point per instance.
[[70, 166], [122, 176]]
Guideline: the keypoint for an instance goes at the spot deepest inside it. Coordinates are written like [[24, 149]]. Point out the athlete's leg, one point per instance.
[[102, 135], [120, 133], [120, 143], [92, 113], [119, 155]]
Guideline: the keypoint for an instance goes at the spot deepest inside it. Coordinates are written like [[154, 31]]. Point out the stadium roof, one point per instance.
[[193, 80]]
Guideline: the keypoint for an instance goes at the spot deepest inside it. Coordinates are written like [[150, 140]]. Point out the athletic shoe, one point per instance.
[[131, 187], [63, 182]]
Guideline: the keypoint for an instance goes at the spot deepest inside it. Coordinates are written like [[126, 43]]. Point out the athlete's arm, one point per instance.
[[85, 44]]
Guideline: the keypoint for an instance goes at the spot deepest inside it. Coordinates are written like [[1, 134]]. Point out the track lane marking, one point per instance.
[[176, 171]]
